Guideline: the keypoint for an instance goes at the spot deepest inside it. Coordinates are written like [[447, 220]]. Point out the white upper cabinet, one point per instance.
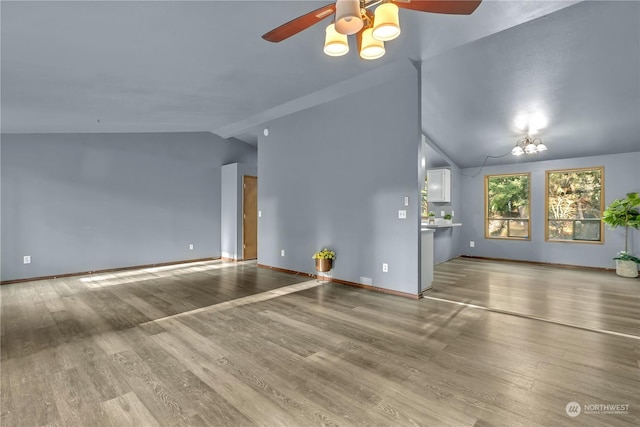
[[439, 185]]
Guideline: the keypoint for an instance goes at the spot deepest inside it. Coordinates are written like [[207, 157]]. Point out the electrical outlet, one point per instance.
[[402, 214], [26, 259], [385, 268], [190, 246], [472, 244], [441, 213], [282, 252]]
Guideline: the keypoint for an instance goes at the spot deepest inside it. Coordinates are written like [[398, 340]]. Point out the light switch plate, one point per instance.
[[406, 200], [259, 214], [441, 213], [26, 259]]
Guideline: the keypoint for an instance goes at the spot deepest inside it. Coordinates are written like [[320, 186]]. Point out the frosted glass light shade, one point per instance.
[[530, 149], [370, 48], [541, 147], [386, 24], [335, 44], [348, 17], [517, 151]]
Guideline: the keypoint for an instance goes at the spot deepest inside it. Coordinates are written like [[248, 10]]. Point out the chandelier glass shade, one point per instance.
[[335, 44], [348, 17], [370, 48], [386, 24], [528, 145]]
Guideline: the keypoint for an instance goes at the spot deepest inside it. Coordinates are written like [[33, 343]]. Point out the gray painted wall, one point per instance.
[[621, 175], [231, 219], [229, 210], [336, 175], [82, 202]]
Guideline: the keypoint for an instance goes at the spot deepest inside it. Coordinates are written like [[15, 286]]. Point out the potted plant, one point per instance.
[[431, 217], [324, 260], [624, 213], [447, 219]]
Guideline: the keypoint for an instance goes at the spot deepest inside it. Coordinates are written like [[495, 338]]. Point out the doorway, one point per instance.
[[249, 217]]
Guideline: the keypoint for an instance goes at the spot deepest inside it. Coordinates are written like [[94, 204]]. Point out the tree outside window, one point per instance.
[[424, 205], [574, 205], [507, 206]]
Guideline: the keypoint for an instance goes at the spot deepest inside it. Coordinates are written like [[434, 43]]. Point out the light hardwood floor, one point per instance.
[[232, 344], [590, 299]]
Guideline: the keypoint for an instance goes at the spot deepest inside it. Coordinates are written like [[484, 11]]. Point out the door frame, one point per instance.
[[244, 178]]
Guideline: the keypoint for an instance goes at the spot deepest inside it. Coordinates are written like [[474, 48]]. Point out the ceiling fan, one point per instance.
[[357, 17]]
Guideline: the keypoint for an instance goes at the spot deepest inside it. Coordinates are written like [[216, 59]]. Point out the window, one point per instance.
[[574, 205], [507, 206], [424, 206]]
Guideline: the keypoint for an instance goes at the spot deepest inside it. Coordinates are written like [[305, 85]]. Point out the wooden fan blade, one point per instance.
[[451, 7], [303, 22]]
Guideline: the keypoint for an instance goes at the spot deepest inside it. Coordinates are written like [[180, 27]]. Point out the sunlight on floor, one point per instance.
[[131, 276], [250, 299]]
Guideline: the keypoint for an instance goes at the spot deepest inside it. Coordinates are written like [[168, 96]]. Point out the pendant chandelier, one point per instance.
[[528, 145]]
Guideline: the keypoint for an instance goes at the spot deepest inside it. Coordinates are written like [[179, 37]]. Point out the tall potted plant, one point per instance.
[[624, 213]]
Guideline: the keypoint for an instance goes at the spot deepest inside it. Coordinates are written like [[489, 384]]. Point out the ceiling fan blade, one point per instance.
[[452, 7], [303, 22]]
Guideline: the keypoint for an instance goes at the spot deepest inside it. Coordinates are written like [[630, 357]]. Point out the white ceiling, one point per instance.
[[202, 66]]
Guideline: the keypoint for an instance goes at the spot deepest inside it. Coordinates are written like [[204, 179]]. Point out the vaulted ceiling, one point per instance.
[[201, 66], [579, 67]]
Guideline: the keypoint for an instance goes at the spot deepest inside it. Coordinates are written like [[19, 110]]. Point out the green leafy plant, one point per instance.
[[431, 213], [624, 256], [325, 254], [624, 213], [447, 216]]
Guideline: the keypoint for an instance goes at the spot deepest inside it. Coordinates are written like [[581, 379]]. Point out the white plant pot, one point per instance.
[[626, 268], [442, 221]]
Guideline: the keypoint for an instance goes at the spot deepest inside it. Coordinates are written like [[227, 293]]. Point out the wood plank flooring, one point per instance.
[[218, 343], [587, 298]]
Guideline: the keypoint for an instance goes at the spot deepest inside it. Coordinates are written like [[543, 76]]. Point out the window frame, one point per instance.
[[486, 207], [546, 205]]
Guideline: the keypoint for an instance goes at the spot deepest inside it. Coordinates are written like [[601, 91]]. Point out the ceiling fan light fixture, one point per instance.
[[370, 48], [335, 44], [348, 17], [386, 25]]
